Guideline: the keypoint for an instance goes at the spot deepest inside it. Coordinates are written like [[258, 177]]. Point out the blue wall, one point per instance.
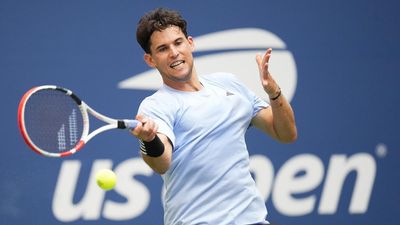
[[342, 170]]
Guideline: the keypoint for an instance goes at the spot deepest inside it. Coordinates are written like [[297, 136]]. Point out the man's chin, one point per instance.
[[181, 76]]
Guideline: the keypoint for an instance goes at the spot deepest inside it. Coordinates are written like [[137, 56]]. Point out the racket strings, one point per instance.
[[53, 120]]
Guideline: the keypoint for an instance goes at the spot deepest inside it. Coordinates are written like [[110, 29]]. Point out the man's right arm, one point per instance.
[[156, 149], [161, 163]]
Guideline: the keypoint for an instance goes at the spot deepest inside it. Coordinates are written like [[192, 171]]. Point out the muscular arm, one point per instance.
[[147, 131], [277, 121], [160, 164]]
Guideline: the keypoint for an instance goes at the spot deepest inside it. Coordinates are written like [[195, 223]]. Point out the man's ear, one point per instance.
[[149, 60], [191, 42]]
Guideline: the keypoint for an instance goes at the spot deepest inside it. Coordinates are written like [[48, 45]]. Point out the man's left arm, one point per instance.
[[277, 120]]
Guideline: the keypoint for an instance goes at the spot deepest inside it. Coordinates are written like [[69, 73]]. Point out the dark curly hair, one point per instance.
[[157, 20]]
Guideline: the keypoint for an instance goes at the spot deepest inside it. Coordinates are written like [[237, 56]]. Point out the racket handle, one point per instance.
[[128, 124]]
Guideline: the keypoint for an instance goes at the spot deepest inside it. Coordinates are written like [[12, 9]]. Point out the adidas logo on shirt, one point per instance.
[[229, 93]]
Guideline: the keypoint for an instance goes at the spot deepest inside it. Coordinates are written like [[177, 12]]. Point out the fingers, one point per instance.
[[146, 129], [268, 54], [266, 58], [139, 117], [263, 62], [259, 61]]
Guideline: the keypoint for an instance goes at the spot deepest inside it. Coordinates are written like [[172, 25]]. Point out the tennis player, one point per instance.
[[192, 129]]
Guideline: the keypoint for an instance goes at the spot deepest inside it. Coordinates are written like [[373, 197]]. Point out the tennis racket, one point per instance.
[[54, 122]]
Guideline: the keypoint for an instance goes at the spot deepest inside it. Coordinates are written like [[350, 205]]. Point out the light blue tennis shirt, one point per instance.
[[208, 182]]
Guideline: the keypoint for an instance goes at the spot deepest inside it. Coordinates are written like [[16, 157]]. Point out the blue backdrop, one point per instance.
[[344, 58]]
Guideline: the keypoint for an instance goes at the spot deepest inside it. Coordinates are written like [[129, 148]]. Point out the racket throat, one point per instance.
[[121, 124]]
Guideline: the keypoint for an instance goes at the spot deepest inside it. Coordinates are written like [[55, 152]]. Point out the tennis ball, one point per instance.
[[106, 179]]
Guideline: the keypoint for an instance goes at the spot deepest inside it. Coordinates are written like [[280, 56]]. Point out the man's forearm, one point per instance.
[[283, 119]]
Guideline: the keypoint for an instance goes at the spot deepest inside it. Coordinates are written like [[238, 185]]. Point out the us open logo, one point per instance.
[[233, 51]]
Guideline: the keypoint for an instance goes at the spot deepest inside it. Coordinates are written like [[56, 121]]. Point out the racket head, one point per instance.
[[53, 121]]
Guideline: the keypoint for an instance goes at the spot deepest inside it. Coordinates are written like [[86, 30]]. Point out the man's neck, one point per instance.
[[191, 85]]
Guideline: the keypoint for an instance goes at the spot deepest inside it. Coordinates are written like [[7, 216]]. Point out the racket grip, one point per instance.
[[130, 124]]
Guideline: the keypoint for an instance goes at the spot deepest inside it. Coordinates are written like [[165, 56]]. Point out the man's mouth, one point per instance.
[[177, 63]]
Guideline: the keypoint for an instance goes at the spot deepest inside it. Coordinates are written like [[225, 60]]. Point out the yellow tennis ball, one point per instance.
[[106, 179]]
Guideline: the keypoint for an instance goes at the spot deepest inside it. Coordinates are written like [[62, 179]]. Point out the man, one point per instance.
[[192, 129]]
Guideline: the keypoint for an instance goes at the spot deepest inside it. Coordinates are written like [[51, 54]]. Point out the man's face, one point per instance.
[[171, 54]]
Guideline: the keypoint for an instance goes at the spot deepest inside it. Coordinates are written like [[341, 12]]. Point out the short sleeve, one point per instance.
[[160, 111]]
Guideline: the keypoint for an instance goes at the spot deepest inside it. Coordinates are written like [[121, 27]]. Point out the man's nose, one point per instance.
[[174, 52]]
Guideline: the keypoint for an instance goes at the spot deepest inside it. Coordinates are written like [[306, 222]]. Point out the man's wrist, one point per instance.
[[277, 94], [153, 148]]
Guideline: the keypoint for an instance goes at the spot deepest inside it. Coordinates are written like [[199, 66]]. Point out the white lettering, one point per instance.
[[137, 195], [339, 168], [289, 181], [89, 206], [291, 187]]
